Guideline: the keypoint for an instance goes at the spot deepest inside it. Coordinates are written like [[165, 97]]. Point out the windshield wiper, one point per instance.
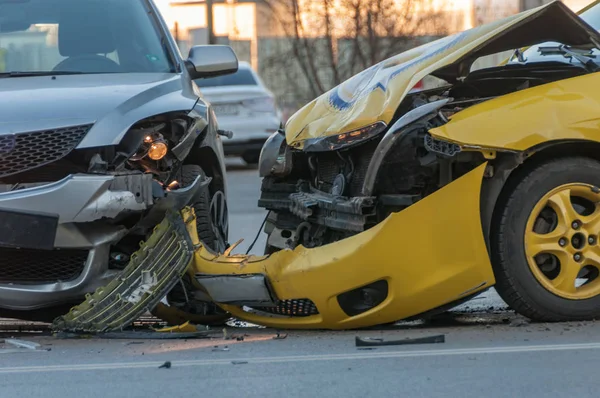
[[42, 73], [583, 56]]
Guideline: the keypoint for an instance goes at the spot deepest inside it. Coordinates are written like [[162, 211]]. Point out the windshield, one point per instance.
[[243, 77], [80, 36]]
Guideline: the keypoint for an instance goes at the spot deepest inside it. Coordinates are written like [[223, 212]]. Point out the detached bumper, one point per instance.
[[427, 256]]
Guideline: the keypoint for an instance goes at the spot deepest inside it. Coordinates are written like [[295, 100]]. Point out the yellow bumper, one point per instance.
[[430, 254]]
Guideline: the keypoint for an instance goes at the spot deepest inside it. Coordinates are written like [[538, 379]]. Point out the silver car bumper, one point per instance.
[[76, 213]]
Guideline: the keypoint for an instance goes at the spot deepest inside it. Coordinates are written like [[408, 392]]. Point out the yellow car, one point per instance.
[[386, 204]]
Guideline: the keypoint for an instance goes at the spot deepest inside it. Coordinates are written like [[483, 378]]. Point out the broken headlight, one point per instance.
[[344, 140]]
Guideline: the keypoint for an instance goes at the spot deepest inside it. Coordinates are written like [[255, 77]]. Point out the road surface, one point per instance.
[[488, 351]]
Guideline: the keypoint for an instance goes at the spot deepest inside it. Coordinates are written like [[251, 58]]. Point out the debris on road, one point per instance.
[[239, 362], [30, 345], [280, 336], [185, 328], [519, 322], [166, 365], [217, 348], [375, 342], [19, 346]]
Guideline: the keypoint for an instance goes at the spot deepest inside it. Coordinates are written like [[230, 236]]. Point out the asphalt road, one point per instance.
[[488, 351]]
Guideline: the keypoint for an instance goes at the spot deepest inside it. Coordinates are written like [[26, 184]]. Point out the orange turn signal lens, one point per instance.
[[157, 151]]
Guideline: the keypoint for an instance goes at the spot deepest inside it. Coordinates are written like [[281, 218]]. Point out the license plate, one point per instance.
[[27, 230], [225, 109]]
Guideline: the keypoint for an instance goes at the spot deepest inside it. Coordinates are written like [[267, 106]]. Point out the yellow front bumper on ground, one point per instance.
[[431, 254]]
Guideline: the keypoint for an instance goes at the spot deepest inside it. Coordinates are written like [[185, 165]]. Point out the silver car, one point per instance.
[[102, 129], [245, 106]]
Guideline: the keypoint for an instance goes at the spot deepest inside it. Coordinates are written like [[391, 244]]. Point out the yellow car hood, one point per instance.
[[375, 94]]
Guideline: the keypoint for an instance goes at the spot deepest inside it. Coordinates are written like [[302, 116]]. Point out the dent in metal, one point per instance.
[[87, 235], [176, 199], [251, 289], [83, 197], [389, 139]]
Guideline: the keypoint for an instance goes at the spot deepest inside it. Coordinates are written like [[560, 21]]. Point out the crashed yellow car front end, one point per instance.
[[423, 258]]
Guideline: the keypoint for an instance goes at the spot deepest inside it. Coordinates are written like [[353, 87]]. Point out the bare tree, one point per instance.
[[327, 41]]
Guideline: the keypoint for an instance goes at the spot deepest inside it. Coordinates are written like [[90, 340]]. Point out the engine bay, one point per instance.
[[319, 198]]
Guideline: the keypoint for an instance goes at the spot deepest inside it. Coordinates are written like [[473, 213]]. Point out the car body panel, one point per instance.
[[375, 94], [119, 101], [562, 110], [446, 268]]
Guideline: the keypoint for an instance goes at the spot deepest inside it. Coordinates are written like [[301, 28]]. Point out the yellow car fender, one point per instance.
[[431, 254], [562, 110]]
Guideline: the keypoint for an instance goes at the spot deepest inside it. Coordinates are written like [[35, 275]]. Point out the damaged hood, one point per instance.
[[112, 102], [375, 94]]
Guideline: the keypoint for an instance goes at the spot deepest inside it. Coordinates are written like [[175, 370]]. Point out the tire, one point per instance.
[[251, 158], [538, 286], [204, 223]]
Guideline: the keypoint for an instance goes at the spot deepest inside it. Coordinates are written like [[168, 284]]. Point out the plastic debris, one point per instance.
[[30, 345], [185, 328], [166, 365], [372, 342]]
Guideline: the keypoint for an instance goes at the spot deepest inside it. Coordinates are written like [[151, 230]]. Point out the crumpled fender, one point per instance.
[[562, 110], [431, 254]]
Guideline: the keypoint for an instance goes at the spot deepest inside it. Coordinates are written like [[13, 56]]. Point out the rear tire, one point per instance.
[[545, 239]]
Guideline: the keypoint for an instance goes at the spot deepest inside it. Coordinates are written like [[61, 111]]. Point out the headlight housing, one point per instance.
[[275, 156], [344, 140]]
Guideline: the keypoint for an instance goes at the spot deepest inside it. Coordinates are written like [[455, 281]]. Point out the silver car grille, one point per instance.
[[25, 151], [41, 266]]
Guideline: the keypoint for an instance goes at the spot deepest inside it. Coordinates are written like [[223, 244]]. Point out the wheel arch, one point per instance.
[[508, 169], [211, 164]]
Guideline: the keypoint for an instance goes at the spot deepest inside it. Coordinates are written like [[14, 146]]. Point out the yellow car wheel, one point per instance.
[[546, 253]]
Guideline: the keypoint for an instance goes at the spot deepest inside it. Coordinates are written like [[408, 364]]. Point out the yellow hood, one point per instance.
[[375, 94]]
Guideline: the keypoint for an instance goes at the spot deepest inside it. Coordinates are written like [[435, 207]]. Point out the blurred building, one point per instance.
[[252, 29]]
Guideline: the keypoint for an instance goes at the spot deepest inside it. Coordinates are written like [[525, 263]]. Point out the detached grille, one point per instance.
[[26, 151], [299, 307], [41, 266]]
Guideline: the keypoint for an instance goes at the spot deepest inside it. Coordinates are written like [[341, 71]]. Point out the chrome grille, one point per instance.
[[41, 266], [26, 151]]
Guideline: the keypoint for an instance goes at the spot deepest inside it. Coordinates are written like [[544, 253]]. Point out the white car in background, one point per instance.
[[243, 105]]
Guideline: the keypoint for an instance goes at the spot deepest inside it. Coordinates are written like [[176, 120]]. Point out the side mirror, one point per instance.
[[213, 60]]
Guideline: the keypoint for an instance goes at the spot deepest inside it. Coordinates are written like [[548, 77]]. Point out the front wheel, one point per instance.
[[545, 249], [212, 220]]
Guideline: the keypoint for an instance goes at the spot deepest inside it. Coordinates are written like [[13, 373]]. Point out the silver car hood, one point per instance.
[[112, 102]]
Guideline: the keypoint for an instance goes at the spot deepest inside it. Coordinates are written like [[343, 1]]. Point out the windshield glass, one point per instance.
[[243, 77], [80, 36]]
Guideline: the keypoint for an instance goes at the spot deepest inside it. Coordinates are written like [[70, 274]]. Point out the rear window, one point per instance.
[[243, 77]]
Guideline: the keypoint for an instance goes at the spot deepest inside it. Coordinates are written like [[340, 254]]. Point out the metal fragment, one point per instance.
[[366, 342]]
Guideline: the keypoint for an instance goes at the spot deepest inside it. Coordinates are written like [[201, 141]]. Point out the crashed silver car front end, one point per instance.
[[57, 235]]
